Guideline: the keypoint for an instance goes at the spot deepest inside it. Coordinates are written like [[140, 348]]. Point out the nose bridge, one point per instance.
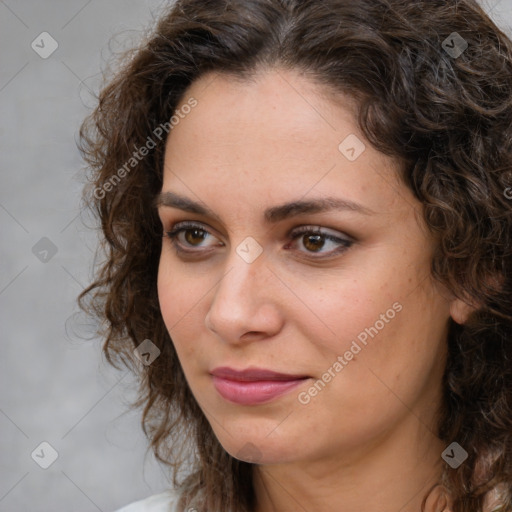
[[242, 282], [239, 296]]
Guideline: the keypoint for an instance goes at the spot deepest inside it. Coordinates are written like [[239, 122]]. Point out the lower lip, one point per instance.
[[254, 392]]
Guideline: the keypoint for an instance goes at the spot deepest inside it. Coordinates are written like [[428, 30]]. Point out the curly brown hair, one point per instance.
[[446, 115]]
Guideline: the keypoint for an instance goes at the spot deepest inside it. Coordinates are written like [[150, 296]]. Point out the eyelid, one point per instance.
[[184, 224], [321, 230]]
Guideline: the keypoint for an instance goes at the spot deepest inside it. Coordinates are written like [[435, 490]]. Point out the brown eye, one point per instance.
[[194, 236], [188, 238], [313, 242]]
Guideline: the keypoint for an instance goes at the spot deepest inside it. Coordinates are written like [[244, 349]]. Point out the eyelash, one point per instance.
[[294, 234]]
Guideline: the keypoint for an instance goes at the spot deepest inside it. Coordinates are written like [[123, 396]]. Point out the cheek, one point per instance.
[[168, 287], [398, 361], [392, 324], [177, 311], [333, 310], [179, 298]]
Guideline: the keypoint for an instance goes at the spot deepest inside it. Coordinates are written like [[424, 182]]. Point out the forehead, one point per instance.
[[279, 102], [276, 134]]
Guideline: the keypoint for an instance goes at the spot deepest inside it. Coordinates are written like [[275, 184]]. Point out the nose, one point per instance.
[[246, 302]]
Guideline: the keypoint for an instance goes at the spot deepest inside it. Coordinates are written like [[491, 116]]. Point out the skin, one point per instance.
[[365, 441]]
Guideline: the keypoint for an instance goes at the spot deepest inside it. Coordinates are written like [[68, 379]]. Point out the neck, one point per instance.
[[387, 478]]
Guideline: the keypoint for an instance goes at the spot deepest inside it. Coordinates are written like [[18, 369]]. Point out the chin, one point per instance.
[[259, 450]]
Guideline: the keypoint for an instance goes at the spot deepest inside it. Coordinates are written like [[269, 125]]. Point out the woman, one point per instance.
[[307, 234]]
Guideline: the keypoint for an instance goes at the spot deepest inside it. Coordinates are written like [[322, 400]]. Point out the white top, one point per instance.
[[164, 502]]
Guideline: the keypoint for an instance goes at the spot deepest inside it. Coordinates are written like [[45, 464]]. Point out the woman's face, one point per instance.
[[308, 260]]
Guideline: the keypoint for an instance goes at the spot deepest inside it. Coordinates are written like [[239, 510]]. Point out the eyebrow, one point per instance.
[[271, 215]]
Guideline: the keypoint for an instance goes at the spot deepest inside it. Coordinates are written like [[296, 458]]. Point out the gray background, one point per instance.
[[56, 387]]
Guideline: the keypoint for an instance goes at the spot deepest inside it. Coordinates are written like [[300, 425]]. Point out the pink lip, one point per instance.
[[254, 385]]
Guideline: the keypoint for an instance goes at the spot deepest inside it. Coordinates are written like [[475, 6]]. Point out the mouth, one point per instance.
[[253, 386]]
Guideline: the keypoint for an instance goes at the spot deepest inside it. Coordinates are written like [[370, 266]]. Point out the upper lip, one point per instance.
[[253, 374]]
